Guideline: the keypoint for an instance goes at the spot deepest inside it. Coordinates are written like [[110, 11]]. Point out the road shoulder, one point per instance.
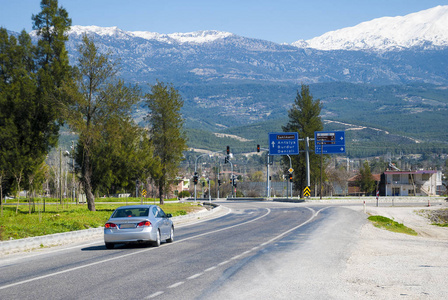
[[388, 265]]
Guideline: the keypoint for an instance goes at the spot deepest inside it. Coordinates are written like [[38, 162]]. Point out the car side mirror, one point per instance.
[[169, 215]]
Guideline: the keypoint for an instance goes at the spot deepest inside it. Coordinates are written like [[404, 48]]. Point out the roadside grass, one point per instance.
[[391, 225], [68, 217]]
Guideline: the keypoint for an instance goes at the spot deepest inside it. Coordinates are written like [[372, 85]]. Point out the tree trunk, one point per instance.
[[86, 178], [161, 193], [18, 180], [1, 195]]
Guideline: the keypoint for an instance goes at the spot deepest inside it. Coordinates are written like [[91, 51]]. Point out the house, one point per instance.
[[353, 184], [181, 184], [411, 183]]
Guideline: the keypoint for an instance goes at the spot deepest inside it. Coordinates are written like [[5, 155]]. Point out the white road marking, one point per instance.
[[253, 249], [223, 263], [210, 269], [176, 284], [156, 294], [145, 250], [195, 276], [128, 254]]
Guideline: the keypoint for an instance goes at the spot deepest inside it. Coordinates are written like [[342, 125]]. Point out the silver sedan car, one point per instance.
[[138, 224]]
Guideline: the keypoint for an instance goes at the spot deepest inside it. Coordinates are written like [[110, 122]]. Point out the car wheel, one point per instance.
[[171, 239], [156, 243], [110, 246]]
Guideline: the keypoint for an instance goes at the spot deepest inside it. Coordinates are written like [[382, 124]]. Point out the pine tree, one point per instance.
[[166, 133], [304, 118]]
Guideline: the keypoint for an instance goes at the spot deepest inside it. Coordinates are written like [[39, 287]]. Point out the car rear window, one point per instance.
[[130, 212]]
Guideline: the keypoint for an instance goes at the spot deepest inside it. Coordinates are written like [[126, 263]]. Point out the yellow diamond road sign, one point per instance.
[[306, 192]]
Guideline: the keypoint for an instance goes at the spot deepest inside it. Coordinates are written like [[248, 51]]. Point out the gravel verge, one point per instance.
[[388, 265]]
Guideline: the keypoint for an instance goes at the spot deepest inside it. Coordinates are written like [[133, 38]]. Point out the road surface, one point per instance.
[[258, 250]]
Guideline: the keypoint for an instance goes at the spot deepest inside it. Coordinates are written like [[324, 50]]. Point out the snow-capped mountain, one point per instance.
[[425, 29], [198, 37]]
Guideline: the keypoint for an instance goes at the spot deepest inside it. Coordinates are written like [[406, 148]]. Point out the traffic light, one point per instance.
[[258, 148], [290, 177], [228, 150], [219, 182], [226, 159], [195, 179]]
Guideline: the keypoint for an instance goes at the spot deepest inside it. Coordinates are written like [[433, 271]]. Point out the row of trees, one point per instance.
[[40, 91]]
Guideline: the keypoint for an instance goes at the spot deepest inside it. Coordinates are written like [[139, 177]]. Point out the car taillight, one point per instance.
[[144, 223], [110, 225]]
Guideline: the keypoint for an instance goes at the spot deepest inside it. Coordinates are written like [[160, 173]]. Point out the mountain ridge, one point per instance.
[[424, 29], [427, 28]]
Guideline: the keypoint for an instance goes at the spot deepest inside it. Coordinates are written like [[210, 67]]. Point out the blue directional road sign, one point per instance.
[[283, 143], [329, 142]]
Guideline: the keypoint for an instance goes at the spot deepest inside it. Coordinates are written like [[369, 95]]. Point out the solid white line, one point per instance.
[[44, 251], [229, 210], [210, 269], [223, 263]]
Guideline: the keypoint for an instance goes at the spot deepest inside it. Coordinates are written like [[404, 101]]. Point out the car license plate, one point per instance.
[[128, 225]]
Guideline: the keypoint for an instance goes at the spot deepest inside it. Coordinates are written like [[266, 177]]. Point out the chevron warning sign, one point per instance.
[[306, 192]]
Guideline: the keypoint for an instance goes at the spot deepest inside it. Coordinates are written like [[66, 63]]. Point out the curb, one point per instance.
[[7, 247]]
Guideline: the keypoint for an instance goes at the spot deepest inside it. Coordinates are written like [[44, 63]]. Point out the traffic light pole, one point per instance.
[[196, 169], [196, 173], [231, 177], [290, 183], [268, 182]]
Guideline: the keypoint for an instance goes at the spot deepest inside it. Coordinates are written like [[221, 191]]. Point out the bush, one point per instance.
[[184, 194]]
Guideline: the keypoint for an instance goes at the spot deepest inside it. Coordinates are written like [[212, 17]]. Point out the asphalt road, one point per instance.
[[258, 250]]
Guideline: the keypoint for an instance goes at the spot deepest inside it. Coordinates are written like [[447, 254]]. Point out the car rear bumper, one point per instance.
[[129, 236]]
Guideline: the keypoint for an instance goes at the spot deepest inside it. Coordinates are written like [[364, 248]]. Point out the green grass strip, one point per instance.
[[63, 218], [391, 225]]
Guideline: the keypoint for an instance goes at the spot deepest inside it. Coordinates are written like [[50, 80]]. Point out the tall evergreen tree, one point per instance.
[[30, 98], [167, 134], [304, 118], [21, 144], [101, 114]]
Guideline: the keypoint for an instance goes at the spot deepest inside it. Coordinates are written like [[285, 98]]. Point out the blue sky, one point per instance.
[[281, 21]]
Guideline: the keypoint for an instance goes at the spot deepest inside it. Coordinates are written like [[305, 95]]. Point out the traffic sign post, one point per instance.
[[306, 191], [284, 143], [329, 142]]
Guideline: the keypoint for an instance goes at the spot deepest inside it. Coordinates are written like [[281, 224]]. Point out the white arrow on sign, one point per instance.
[[273, 144]]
